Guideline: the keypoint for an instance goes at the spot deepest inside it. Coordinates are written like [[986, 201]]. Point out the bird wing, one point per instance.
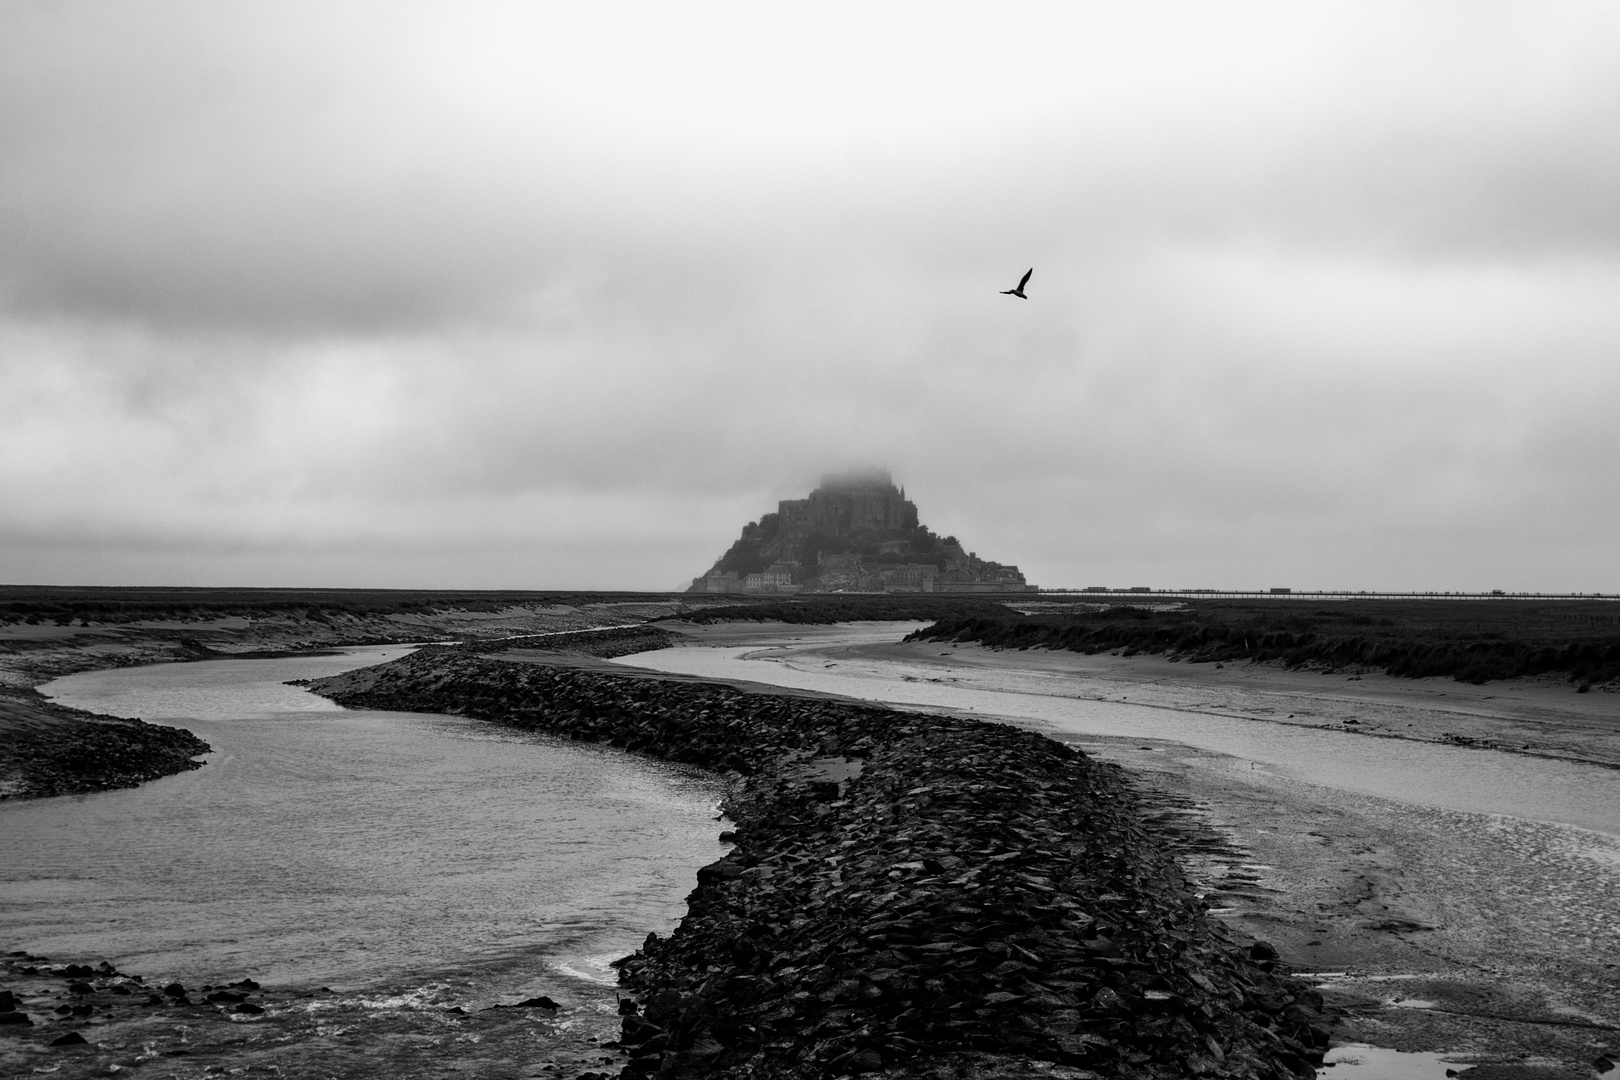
[[1025, 279]]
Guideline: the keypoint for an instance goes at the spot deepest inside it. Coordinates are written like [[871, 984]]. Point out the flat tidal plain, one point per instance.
[[1486, 937]]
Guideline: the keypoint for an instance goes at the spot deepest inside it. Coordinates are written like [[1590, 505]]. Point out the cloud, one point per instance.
[[407, 294]]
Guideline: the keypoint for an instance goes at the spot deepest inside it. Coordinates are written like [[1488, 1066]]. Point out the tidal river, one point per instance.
[[1426, 774], [365, 850]]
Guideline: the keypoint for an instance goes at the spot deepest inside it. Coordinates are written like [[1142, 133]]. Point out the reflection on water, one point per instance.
[[1358, 1061], [349, 847], [1453, 778]]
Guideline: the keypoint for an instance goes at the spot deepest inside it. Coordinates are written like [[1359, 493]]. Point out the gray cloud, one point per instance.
[[407, 295]]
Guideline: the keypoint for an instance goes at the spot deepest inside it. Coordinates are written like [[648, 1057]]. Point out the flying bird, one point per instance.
[[1019, 292]]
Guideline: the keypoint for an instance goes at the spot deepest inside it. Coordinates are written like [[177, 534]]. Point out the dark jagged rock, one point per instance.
[[909, 895], [72, 1038], [541, 1002], [107, 998]]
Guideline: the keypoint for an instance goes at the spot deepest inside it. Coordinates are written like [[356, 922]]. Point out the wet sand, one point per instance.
[[1488, 938], [909, 893], [129, 1025], [1545, 717]]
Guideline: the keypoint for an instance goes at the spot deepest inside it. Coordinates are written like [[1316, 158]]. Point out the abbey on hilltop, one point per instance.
[[855, 533]]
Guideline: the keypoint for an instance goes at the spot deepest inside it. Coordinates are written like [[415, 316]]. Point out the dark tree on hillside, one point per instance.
[[750, 554]]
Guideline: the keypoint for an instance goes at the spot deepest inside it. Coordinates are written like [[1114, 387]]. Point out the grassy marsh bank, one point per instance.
[[1471, 641]]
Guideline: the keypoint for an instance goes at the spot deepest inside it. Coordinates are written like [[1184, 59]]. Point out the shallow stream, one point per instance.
[[360, 849], [1427, 774], [421, 862]]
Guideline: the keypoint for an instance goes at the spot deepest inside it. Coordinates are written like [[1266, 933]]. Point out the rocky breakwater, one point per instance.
[[909, 895], [610, 642], [49, 749]]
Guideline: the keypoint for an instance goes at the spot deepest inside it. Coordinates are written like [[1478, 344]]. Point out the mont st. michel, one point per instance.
[[857, 532]]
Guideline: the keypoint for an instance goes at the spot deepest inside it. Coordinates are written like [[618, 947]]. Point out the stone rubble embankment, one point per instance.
[[49, 749], [603, 644], [908, 895]]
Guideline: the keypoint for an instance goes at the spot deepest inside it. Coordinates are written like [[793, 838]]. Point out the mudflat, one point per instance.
[[1488, 939], [1544, 715], [909, 894]]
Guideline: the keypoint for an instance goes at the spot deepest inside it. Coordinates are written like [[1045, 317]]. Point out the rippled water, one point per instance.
[[355, 848], [1427, 774]]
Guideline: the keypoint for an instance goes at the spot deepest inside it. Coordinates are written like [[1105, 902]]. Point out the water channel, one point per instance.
[[1556, 822], [1427, 774], [391, 853], [355, 848]]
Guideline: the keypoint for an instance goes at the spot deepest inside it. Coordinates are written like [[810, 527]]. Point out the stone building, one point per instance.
[[857, 532], [856, 501], [717, 582]]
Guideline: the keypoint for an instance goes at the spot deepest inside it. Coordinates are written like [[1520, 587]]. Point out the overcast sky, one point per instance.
[[530, 296]]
